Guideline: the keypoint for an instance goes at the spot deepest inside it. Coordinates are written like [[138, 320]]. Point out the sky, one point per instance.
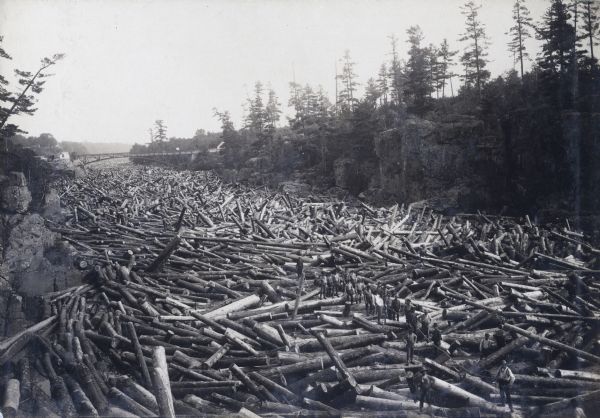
[[131, 62]]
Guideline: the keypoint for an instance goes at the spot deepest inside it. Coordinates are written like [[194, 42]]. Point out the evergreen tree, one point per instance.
[[382, 84], [395, 73], [446, 58], [558, 35], [16, 103], [519, 32], [372, 93], [255, 118], [417, 86], [233, 150], [272, 112], [160, 131], [295, 101], [434, 68], [475, 53], [346, 97], [590, 17], [560, 54]]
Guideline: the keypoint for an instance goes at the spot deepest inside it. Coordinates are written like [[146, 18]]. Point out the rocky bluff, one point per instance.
[[33, 260], [452, 164]]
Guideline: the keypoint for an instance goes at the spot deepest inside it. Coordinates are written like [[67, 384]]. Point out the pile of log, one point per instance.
[[203, 299]]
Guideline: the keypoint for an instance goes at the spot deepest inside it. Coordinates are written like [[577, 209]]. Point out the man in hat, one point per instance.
[[505, 378]]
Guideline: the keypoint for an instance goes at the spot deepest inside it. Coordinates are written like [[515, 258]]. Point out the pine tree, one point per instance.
[[16, 103], [160, 131], [558, 36], [382, 84], [395, 74], [272, 112], [433, 67], [474, 57], [255, 118], [372, 93], [446, 57], [417, 86], [346, 97], [295, 101], [519, 32], [234, 149], [590, 17]]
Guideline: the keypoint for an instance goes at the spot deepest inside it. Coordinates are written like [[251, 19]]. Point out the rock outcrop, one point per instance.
[[33, 259], [14, 193], [451, 164]]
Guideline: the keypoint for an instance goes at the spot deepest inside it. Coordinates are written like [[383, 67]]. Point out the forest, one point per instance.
[[535, 132]]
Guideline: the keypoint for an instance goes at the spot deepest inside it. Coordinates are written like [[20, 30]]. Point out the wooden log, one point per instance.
[[162, 386], [235, 306], [546, 341], [271, 385], [80, 399], [347, 377], [577, 374], [130, 404], [12, 398], [472, 399], [502, 352], [91, 388], [402, 406], [139, 355], [137, 392], [164, 254], [210, 362], [590, 398]]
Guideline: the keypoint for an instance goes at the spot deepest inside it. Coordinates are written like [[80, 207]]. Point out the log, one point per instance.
[[472, 399], [546, 341], [162, 385], [12, 398]]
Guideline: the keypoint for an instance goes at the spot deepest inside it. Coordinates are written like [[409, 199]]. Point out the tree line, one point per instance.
[[427, 78]]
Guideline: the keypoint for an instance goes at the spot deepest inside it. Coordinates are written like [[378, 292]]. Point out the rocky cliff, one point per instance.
[[452, 164], [33, 259]]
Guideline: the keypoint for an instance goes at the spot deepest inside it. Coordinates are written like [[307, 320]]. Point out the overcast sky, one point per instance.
[[130, 62]]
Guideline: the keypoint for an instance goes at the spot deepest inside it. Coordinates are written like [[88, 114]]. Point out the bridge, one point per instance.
[[86, 159]]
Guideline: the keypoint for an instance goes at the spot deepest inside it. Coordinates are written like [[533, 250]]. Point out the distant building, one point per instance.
[[64, 155], [218, 148]]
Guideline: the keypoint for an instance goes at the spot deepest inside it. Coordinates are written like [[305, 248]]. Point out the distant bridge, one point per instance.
[[94, 158]]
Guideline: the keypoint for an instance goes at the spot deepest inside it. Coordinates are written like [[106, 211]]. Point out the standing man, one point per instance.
[[505, 378], [424, 389], [368, 299], [411, 319], [396, 308], [411, 340], [378, 305], [359, 291], [323, 284], [436, 336], [386, 303], [500, 338], [350, 292], [485, 346], [425, 325]]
